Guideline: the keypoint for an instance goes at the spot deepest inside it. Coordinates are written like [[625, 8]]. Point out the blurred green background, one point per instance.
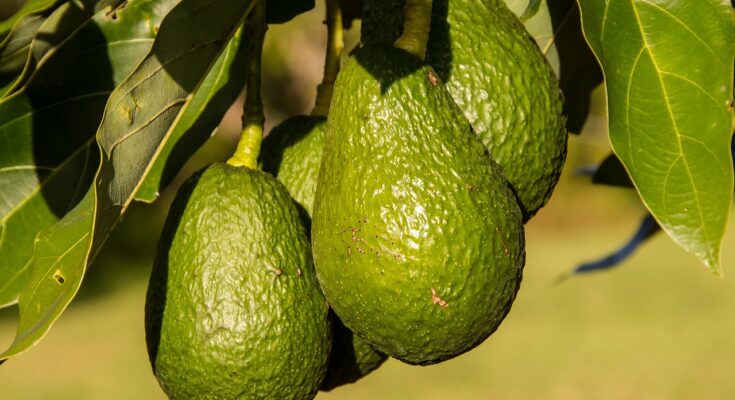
[[658, 327]]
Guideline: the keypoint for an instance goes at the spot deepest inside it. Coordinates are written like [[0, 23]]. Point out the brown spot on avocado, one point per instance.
[[438, 300], [432, 78]]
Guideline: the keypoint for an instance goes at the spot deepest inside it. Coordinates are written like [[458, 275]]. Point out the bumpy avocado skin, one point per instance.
[[292, 152], [417, 239], [500, 79], [233, 308]]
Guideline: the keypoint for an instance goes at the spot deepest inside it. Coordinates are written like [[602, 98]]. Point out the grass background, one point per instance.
[[658, 327]]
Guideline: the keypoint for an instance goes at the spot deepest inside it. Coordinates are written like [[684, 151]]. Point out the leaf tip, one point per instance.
[[715, 267]]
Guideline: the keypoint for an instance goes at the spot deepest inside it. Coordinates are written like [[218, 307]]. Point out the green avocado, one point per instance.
[[233, 309], [417, 239], [500, 79], [292, 152]]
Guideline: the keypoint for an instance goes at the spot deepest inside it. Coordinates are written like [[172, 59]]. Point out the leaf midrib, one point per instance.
[[677, 133]]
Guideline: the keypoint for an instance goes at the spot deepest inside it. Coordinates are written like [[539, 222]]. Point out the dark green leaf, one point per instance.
[[14, 53], [531, 10], [195, 125], [280, 11], [136, 125], [30, 7], [49, 156], [668, 71], [56, 29]]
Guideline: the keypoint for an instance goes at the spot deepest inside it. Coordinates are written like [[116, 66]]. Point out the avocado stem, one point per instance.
[[416, 27], [248, 147], [335, 44]]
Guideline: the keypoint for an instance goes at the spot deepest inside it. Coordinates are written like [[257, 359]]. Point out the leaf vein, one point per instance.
[[680, 22], [148, 122], [677, 133]]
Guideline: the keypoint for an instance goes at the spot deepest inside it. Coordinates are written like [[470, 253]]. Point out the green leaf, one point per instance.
[[280, 11], [56, 29], [531, 10], [215, 95], [49, 156], [14, 53], [30, 7], [136, 125], [669, 74], [537, 20]]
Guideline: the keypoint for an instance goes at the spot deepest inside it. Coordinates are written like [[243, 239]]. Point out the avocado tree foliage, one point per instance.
[[103, 101]]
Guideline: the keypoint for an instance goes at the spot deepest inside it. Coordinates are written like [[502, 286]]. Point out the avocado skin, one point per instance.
[[292, 152], [500, 79], [417, 239], [233, 308]]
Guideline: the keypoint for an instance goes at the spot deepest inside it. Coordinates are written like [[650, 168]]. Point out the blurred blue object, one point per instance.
[[647, 228], [611, 167], [587, 170]]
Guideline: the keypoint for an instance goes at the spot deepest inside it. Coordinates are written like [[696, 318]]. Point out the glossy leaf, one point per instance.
[[136, 125], [29, 8], [217, 92], [669, 75], [49, 157]]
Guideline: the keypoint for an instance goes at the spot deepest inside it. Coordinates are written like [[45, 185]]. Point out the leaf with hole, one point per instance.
[[135, 127], [49, 126]]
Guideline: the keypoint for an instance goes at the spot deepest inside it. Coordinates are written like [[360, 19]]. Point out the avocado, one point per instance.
[[233, 308], [500, 79], [292, 152], [418, 240]]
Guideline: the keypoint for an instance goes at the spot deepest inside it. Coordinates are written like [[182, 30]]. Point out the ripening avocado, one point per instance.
[[418, 240], [500, 79], [292, 152], [233, 309]]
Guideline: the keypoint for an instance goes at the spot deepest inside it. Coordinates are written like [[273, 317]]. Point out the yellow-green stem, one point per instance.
[[248, 148], [335, 43], [416, 27]]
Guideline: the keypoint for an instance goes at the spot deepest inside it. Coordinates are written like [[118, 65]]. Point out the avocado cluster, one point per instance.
[[394, 226]]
